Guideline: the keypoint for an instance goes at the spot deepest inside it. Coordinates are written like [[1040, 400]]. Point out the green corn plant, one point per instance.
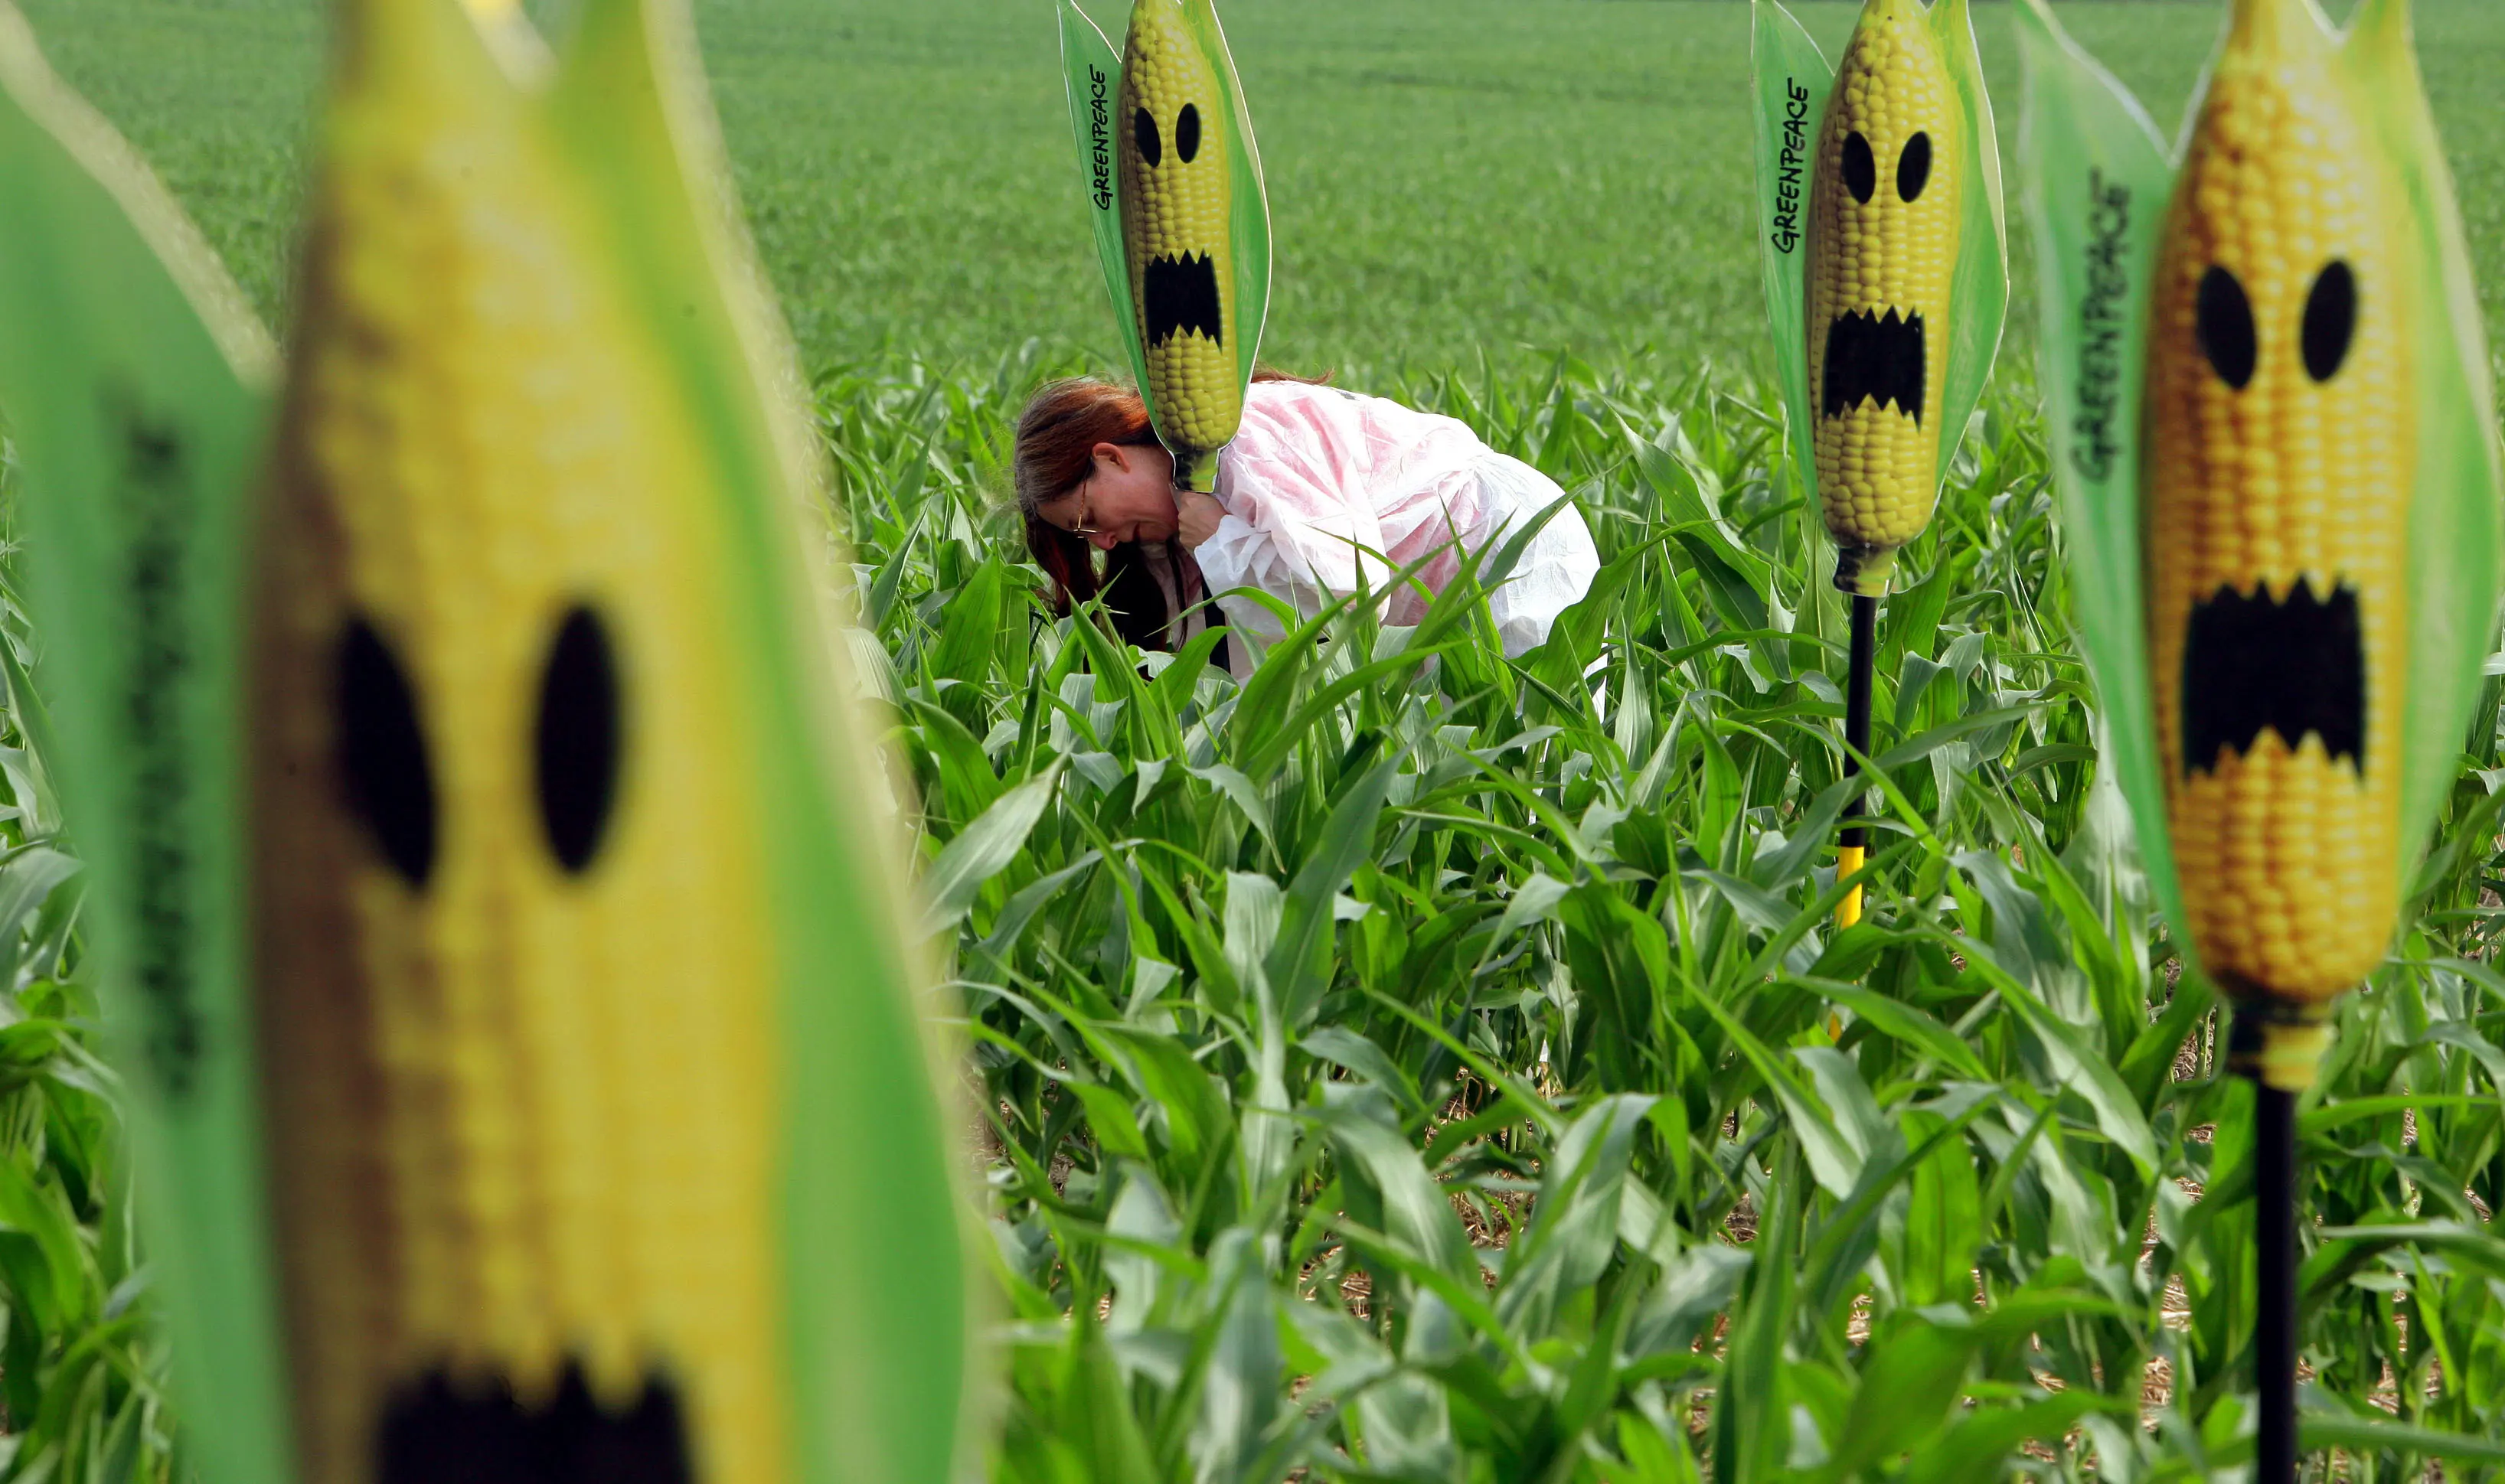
[[1422, 1061]]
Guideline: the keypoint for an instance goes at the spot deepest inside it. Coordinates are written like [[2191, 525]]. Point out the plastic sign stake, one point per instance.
[[2272, 431], [1886, 280]]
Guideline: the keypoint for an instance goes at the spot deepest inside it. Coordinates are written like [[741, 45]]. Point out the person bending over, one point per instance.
[[1318, 487]]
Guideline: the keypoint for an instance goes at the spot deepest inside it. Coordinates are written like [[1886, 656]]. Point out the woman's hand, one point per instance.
[[1196, 517]]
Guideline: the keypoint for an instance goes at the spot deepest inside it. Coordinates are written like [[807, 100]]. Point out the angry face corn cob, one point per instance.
[[1884, 214], [2281, 443], [570, 941], [1178, 208], [481, 950]]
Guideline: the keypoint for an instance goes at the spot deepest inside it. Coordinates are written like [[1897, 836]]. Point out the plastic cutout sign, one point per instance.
[[2318, 381], [1886, 278], [544, 972], [2273, 433], [1886, 264], [1174, 191]]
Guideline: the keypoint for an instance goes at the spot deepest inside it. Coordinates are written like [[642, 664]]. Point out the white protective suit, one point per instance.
[[1321, 484]]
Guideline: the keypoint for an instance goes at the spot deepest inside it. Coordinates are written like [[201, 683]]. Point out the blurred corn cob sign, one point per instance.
[[1174, 191], [2270, 404], [493, 886], [1887, 272]]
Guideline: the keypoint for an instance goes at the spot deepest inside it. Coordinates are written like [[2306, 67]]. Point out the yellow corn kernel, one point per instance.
[[1178, 197], [2281, 445], [514, 1025], [1885, 210]]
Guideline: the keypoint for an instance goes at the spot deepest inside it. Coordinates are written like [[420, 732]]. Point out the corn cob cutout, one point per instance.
[[478, 629], [2280, 447], [2280, 478], [1181, 216], [570, 970], [1175, 200], [1886, 272], [1885, 225]]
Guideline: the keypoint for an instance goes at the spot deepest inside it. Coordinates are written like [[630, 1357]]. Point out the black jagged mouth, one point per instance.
[[1179, 294], [1874, 358], [2294, 665], [438, 1430]]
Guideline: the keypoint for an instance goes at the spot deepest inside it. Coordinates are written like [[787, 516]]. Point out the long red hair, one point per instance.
[[1056, 441]]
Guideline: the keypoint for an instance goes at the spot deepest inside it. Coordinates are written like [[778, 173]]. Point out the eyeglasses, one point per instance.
[[1084, 528]]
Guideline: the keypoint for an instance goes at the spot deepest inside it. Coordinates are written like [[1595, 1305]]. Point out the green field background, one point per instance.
[[1448, 176]]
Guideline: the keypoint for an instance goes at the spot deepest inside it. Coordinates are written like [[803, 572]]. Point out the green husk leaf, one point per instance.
[[1250, 227], [137, 385], [2097, 178], [1793, 81], [1092, 73], [2456, 546], [1978, 296]]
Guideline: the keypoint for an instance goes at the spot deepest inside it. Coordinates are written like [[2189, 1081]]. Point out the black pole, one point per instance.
[[2275, 1208], [1856, 733], [2275, 1324]]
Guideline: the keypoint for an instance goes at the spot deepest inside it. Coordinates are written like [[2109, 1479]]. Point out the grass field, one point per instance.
[[1448, 176], [1448, 1072]]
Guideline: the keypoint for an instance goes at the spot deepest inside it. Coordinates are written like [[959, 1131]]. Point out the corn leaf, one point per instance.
[[877, 1334], [1249, 227]]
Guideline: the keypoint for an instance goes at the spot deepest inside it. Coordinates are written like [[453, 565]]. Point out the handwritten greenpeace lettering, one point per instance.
[[1100, 139], [1789, 165], [157, 482], [2103, 317]]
